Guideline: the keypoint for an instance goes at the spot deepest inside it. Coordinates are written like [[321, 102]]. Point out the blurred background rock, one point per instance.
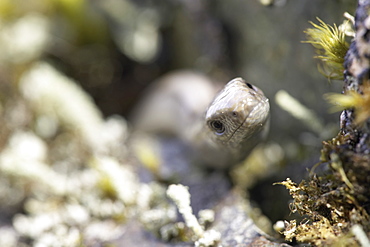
[[114, 49]]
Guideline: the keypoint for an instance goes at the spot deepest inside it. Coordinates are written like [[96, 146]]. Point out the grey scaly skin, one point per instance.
[[235, 122]]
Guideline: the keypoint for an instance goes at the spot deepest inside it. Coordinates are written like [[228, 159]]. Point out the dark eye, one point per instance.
[[217, 126], [234, 114], [249, 85]]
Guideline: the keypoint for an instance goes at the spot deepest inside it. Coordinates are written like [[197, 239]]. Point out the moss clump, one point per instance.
[[333, 202], [360, 102], [331, 47]]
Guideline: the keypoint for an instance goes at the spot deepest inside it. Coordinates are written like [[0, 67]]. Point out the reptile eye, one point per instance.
[[234, 114], [249, 85], [217, 126]]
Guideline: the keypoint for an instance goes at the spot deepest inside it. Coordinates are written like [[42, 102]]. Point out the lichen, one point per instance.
[[201, 238], [71, 184]]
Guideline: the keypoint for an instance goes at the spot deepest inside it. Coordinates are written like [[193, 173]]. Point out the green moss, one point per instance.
[[330, 46], [360, 102]]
